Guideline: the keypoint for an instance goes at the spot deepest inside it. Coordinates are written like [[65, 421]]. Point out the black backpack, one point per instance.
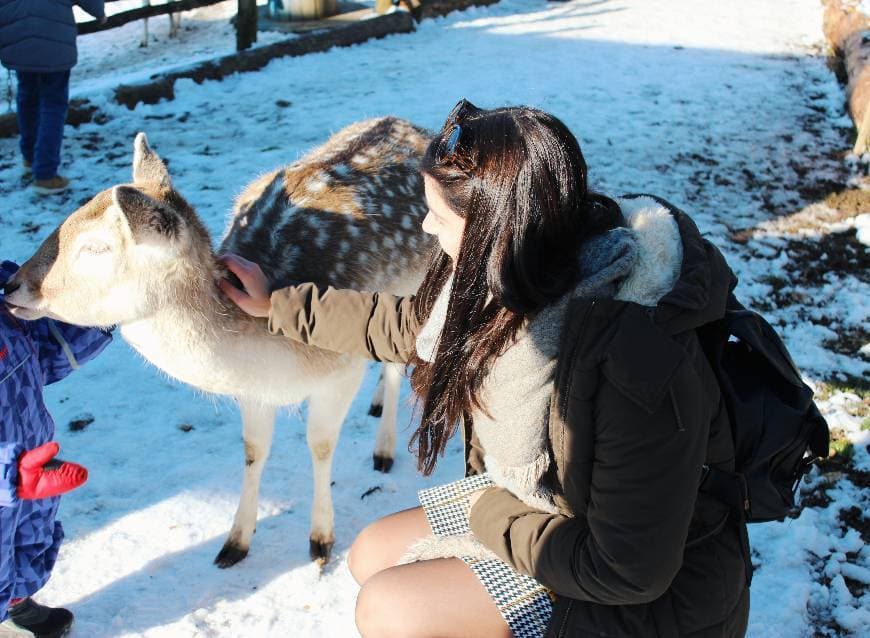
[[777, 429]]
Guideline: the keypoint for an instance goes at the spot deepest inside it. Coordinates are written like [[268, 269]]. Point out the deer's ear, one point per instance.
[[144, 215], [147, 165]]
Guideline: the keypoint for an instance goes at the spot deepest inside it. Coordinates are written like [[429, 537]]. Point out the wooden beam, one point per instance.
[[120, 19]]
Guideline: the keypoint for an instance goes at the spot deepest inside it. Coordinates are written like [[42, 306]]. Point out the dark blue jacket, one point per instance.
[[32, 355], [40, 35]]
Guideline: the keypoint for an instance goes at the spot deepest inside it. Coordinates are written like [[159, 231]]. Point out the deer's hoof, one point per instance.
[[376, 410], [229, 555], [320, 551], [382, 463]]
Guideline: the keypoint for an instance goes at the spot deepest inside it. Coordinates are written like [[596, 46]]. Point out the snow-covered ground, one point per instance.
[[725, 108]]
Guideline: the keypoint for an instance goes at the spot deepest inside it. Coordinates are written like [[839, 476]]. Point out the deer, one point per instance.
[[348, 214], [174, 24]]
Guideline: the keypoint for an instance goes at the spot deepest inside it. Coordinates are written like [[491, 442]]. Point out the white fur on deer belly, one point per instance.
[[256, 368]]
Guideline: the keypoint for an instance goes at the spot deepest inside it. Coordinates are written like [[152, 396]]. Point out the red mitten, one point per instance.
[[40, 475]]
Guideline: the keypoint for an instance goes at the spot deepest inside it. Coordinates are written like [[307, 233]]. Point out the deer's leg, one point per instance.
[[385, 444], [144, 41], [174, 24], [326, 411], [376, 409], [258, 423]]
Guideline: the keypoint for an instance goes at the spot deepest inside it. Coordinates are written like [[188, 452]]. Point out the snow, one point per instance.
[[862, 224], [708, 105]]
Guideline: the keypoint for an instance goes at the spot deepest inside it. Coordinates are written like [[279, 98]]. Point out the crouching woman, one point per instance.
[[556, 331]]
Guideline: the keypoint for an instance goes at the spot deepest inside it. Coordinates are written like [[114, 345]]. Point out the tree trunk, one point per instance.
[[246, 24]]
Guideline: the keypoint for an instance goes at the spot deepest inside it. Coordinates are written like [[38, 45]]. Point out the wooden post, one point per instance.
[[246, 24]]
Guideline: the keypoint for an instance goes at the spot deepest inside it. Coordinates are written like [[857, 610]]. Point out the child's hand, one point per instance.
[[40, 475]]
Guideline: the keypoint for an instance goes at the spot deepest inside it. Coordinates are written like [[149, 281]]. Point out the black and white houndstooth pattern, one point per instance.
[[446, 506], [524, 603]]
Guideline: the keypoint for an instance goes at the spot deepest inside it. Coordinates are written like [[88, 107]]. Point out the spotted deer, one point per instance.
[[348, 215]]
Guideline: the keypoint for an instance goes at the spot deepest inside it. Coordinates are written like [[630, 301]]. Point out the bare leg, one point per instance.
[[258, 423], [380, 545], [430, 599]]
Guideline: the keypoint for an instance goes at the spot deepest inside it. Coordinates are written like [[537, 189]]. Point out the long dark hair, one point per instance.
[[518, 178]]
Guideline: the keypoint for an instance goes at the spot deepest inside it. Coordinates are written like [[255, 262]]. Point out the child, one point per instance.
[[33, 354]]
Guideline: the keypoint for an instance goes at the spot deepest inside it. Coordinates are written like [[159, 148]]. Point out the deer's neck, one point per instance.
[[198, 336], [203, 339]]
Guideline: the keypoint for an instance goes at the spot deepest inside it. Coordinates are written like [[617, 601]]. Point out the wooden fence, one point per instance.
[[246, 20], [119, 19]]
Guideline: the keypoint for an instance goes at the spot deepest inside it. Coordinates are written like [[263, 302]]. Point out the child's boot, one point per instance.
[[39, 620]]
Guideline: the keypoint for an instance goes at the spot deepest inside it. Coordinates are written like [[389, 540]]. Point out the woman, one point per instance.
[[556, 330]]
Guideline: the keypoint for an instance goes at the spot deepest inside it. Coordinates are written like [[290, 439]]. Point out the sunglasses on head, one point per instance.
[[462, 109]]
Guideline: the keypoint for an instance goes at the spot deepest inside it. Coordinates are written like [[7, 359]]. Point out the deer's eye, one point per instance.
[[95, 248]]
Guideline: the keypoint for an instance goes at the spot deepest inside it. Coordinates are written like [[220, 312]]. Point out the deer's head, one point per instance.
[[108, 262]]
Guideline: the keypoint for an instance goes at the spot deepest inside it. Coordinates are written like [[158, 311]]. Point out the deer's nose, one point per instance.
[[11, 286]]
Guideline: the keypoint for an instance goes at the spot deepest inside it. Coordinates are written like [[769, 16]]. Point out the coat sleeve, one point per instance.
[[63, 347], [626, 543], [376, 325], [95, 7]]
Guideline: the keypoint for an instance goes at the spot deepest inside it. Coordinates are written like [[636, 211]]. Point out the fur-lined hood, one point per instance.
[[701, 290]]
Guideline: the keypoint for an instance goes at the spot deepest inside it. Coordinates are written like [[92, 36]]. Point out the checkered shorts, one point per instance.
[[524, 603]]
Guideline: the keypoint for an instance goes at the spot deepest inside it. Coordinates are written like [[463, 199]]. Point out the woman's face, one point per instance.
[[441, 221]]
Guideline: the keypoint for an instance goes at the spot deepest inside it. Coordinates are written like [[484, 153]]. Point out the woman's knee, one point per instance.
[[379, 611], [382, 544], [366, 613], [365, 556]]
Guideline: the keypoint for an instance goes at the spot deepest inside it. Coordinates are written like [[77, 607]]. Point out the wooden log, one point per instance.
[[842, 18], [436, 8], [847, 29]]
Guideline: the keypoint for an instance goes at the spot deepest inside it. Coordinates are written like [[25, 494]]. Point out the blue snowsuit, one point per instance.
[[32, 355]]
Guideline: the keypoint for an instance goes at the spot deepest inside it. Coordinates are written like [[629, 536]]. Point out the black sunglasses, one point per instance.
[[462, 109]]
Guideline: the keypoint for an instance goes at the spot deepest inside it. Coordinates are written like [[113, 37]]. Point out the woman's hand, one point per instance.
[[255, 299]]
